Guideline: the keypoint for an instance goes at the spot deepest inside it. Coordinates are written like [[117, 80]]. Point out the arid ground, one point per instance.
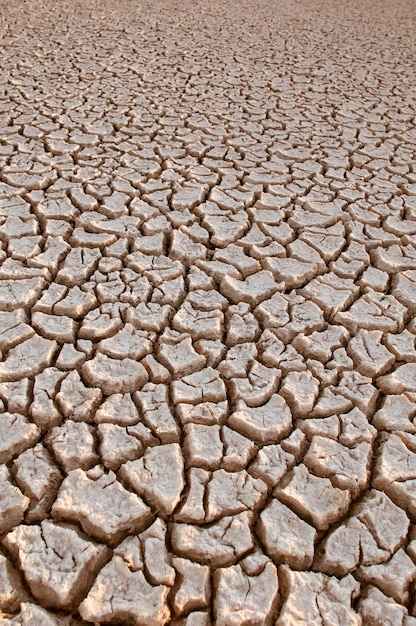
[[207, 313]]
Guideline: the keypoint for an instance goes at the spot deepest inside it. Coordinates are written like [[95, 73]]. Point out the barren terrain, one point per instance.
[[207, 313]]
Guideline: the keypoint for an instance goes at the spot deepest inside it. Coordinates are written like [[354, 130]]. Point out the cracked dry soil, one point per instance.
[[207, 313]]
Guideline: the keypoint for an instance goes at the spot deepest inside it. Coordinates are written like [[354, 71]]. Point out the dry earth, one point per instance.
[[207, 296]]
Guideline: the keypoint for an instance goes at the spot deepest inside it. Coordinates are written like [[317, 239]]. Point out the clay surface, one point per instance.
[[207, 313]]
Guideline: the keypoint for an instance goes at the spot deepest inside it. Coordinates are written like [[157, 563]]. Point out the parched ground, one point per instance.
[[207, 313]]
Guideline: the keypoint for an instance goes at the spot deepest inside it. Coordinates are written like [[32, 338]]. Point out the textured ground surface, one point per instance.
[[207, 298]]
